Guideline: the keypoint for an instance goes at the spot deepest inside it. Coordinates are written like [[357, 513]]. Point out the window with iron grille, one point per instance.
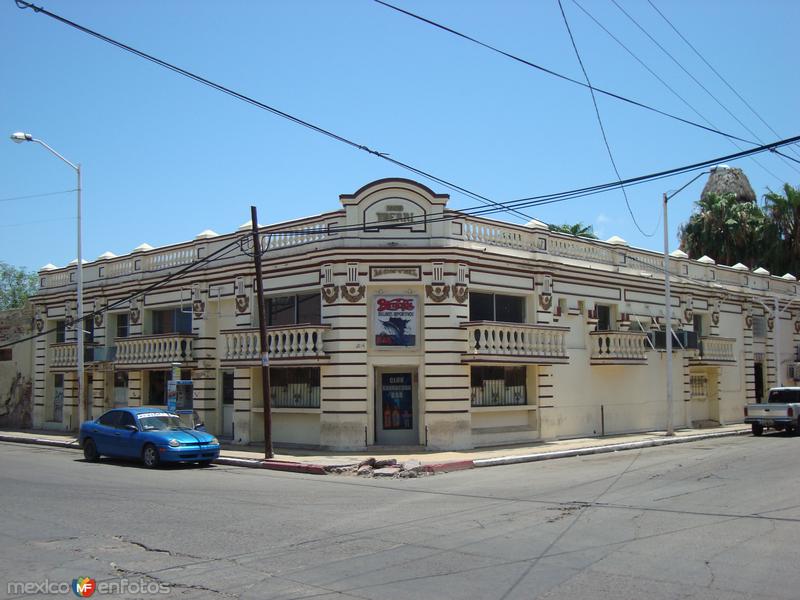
[[759, 328], [699, 386], [498, 386], [294, 387]]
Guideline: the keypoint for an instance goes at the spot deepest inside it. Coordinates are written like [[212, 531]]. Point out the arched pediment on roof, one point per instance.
[[394, 207]]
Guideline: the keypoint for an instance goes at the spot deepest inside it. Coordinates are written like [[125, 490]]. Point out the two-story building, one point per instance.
[[394, 320]]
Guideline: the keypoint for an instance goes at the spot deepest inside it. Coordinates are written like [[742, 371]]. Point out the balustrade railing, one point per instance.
[[618, 347], [716, 349], [295, 341], [489, 338], [155, 349]]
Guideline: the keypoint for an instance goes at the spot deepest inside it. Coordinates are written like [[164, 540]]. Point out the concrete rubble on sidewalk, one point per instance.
[[372, 467]]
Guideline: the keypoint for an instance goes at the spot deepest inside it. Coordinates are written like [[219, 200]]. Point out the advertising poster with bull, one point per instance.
[[395, 321]]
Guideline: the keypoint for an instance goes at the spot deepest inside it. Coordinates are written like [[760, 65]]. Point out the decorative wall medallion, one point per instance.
[[39, 324], [715, 318], [69, 321], [98, 319], [135, 314], [330, 293], [748, 321], [797, 326], [545, 301], [353, 293], [460, 293], [437, 292], [198, 307], [770, 323], [688, 315], [242, 304]]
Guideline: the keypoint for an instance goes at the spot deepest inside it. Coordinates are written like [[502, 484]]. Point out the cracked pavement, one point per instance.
[[703, 520]]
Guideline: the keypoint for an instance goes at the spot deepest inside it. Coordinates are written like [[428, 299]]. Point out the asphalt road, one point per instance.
[[711, 519]]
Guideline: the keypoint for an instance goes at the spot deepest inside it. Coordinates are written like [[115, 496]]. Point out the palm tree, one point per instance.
[[783, 241], [578, 229]]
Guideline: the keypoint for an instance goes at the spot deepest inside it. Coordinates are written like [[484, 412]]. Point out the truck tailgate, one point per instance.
[[767, 411]]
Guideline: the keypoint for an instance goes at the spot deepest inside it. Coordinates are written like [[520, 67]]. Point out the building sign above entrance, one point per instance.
[[394, 273], [395, 320]]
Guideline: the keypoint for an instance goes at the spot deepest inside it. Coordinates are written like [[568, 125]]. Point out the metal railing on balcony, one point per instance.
[[517, 342], [161, 349], [619, 347], [288, 342]]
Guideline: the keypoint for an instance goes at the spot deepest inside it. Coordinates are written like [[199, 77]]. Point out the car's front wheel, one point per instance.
[[757, 428], [150, 456], [90, 452]]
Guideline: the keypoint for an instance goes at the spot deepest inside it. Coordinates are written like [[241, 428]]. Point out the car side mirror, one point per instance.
[[131, 428]]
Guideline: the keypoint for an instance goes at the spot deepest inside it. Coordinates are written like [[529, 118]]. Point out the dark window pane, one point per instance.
[[88, 328], [227, 387], [309, 308], [280, 310], [162, 321], [61, 331], [481, 307], [6, 354], [125, 418], [183, 321], [110, 419], [509, 309], [295, 387], [122, 325], [603, 318], [498, 386], [157, 387]]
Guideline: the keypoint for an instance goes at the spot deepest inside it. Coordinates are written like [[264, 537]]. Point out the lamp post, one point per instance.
[[18, 138]]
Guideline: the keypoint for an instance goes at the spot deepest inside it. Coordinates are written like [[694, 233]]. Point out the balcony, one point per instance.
[[491, 341], [155, 351], [288, 344], [619, 347], [63, 355], [715, 351]]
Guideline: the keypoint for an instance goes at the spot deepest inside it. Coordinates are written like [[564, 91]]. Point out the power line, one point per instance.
[[13, 198], [600, 122], [559, 75], [693, 78], [661, 80], [239, 96], [717, 73]]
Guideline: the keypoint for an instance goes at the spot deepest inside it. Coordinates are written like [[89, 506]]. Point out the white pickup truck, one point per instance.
[[780, 412]]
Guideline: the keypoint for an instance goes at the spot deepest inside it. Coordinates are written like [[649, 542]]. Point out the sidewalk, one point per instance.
[[420, 459]]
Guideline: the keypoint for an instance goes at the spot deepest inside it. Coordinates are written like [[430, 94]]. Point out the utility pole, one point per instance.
[[262, 329], [668, 319]]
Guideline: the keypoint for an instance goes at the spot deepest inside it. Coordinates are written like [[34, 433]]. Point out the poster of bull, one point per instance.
[[395, 321]]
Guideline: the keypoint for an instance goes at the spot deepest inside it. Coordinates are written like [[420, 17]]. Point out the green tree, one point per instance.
[[16, 285], [578, 229], [725, 229], [782, 239]]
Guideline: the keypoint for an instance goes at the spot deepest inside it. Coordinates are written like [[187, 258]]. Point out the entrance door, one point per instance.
[[395, 410], [58, 398], [227, 404], [120, 389], [759, 380]]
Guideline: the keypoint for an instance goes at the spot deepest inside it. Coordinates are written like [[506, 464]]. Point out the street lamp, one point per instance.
[[18, 138]]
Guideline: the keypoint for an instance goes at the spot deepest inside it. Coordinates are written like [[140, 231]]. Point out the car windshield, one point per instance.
[[160, 422]]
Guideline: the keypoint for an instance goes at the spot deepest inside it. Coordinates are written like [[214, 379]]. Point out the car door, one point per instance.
[[104, 433], [127, 440]]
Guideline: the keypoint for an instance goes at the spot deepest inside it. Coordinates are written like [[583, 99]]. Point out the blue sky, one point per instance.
[[165, 158]]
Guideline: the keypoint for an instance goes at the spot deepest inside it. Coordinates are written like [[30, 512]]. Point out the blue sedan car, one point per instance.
[[148, 433]]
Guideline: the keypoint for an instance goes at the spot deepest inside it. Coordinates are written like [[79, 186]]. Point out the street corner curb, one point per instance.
[[39, 441], [293, 467], [446, 467], [651, 443], [251, 463]]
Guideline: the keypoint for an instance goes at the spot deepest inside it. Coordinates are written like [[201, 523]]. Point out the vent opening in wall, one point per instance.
[[327, 274], [352, 272], [438, 272], [462, 273]]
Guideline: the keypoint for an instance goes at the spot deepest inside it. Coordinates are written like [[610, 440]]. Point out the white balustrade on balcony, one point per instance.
[[294, 341], [526, 343], [619, 347], [155, 349], [63, 354], [716, 349]]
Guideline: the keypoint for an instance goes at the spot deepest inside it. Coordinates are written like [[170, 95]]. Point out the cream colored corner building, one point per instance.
[[395, 321]]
